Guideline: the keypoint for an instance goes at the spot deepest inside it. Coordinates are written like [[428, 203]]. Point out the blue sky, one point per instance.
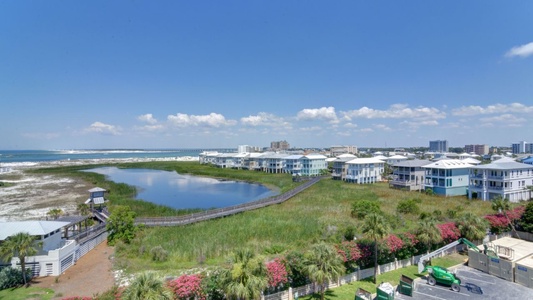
[[180, 74]]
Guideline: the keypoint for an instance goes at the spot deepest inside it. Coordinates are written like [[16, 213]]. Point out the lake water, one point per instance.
[[185, 191]]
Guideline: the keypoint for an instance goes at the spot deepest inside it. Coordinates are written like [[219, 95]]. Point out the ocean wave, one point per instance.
[[111, 151]]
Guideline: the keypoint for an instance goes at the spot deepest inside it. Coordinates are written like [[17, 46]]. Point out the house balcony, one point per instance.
[[405, 183]]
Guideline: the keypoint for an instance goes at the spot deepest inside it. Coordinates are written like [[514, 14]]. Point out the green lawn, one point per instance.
[[23, 293]]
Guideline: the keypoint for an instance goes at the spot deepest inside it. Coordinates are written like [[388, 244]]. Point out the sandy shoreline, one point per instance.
[[32, 195]]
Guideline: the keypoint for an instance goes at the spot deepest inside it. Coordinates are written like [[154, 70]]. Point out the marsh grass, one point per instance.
[[321, 212]]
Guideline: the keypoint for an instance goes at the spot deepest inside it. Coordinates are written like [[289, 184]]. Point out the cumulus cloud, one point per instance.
[[263, 119], [99, 127], [396, 111], [148, 118], [210, 120], [323, 113], [505, 120], [382, 127], [522, 51], [473, 110]]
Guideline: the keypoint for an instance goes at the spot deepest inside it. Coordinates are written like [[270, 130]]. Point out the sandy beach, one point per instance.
[[31, 196]]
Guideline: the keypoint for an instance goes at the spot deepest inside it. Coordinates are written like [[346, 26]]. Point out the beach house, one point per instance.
[[447, 177], [364, 170], [59, 243], [504, 178], [339, 166], [409, 175]]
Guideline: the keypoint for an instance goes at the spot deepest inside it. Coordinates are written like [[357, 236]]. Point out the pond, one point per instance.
[[185, 191]]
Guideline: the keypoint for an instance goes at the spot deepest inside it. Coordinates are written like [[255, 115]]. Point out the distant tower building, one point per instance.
[[438, 146], [338, 150], [477, 149], [279, 145], [522, 147], [243, 149]]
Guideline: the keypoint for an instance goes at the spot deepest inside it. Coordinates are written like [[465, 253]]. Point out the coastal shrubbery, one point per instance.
[[10, 277]]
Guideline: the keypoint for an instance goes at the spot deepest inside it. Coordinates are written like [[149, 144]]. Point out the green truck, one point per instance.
[[442, 275]]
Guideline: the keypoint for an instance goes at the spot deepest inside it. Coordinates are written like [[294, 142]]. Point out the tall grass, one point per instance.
[[321, 212]]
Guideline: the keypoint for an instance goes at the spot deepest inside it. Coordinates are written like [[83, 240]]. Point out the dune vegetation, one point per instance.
[[320, 213]]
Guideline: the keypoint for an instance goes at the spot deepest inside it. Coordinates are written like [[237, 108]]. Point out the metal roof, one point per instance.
[[32, 227], [510, 165], [370, 160], [412, 163], [448, 164]]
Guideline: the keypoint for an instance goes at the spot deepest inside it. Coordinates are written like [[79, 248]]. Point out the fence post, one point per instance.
[[290, 293]]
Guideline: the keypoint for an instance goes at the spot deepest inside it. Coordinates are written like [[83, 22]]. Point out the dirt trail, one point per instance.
[[92, 274]]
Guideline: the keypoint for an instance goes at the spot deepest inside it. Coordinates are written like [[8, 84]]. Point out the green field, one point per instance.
[[321, 212], [26, 293]]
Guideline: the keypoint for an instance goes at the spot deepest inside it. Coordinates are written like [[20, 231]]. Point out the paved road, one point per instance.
[[474, 285]]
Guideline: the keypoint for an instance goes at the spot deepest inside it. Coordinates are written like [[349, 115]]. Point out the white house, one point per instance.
[[395, 159], [447, 177], [364, 170], [57, 252], [505, 178], [339, 166]]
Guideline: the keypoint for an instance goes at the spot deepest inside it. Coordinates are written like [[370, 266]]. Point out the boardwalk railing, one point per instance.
[[226, 211]]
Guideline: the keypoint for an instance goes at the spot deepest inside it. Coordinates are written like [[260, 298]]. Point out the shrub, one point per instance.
[[408, 206], [349, 233], [159, 254], [187, 287], [361, 208], [277, 273], [10, 277], [449, 232]]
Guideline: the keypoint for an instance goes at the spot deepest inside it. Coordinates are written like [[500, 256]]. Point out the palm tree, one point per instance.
[[247, 277], [502, 205], [55, 213], [375, 228], [322, 265], [147, 286], [472, 227], [83, 209], [428, 233], [20, 245]]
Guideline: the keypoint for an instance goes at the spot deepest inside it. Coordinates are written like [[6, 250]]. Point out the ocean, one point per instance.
[[22, 156]]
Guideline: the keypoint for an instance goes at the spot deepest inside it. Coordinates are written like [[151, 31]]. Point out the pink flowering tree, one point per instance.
[[278, 276], [449, 232], [389, 248], [350, 253], [187, 287], [498, 223]]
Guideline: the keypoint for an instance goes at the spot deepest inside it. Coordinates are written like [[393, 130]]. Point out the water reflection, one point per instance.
[[185, 191]]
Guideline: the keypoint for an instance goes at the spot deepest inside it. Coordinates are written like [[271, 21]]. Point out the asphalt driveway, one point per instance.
[[474, 285]]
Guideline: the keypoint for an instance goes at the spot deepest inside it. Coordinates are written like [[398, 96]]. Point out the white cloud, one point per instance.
[[350, 125], [396, 111], [100, 127], [148, 118], [383, 127], [323, 113], [473, 110], [522, 51], [210, 120], [264, 119], [366, 130], [505, 120]]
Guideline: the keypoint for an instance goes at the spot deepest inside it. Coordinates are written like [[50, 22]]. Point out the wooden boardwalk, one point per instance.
[[226, 211]]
